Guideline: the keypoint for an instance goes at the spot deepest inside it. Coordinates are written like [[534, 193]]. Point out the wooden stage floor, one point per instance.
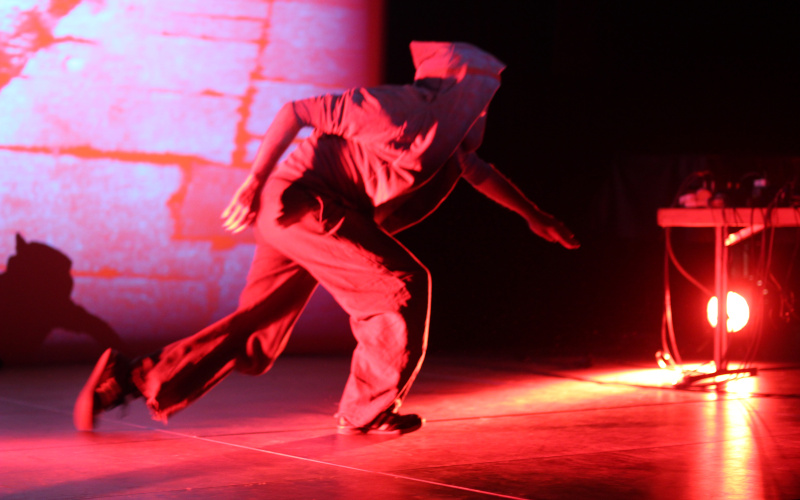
[[495, 429]]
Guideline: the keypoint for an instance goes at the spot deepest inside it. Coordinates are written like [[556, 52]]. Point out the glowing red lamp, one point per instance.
[[738, 312]]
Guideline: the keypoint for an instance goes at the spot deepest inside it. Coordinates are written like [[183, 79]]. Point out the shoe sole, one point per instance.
[[83, 415], [356, 431]]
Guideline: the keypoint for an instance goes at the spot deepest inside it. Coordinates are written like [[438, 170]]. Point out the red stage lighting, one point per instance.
[[738, 312]]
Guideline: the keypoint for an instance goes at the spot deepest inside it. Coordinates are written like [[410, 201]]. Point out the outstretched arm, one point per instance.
[[492, 184], [244, 206]]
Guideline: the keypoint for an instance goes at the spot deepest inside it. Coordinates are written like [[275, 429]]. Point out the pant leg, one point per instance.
[[378, 282], [279, 289], [249, 340]]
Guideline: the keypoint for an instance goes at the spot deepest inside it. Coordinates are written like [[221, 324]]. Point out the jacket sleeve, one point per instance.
[[321, 112], [473, 168]]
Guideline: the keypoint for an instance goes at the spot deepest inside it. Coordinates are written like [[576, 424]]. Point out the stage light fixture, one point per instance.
[[738, 312]]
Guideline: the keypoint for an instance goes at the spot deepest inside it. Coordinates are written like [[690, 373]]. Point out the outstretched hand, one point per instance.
[[243, 208], [553, 230]]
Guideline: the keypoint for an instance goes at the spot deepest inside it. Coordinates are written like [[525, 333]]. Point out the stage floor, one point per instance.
[[495, 429]]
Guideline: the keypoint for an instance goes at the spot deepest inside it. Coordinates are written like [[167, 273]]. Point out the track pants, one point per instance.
[[305, 239]]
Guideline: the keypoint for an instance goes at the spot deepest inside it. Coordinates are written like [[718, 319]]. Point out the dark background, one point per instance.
[[604, 109]]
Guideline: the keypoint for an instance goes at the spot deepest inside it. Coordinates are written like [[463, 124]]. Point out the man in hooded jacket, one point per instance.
[[378, 160]]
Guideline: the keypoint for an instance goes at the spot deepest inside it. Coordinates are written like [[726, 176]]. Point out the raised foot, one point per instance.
[[104, 390]]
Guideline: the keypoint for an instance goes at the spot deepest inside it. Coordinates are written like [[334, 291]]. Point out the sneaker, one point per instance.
[[387, 423], [108, 387]]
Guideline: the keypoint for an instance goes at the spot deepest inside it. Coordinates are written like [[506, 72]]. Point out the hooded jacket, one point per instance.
[[404, 139]]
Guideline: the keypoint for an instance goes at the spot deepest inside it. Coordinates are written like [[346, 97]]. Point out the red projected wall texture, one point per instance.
[[127, 125]]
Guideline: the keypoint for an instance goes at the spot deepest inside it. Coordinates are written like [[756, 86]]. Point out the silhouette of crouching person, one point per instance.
[[35, 299]]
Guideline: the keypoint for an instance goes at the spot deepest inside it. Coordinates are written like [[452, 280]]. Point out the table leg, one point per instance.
[[721, 290]]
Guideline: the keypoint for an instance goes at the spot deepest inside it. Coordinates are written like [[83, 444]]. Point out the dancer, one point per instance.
[[379, 160]]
